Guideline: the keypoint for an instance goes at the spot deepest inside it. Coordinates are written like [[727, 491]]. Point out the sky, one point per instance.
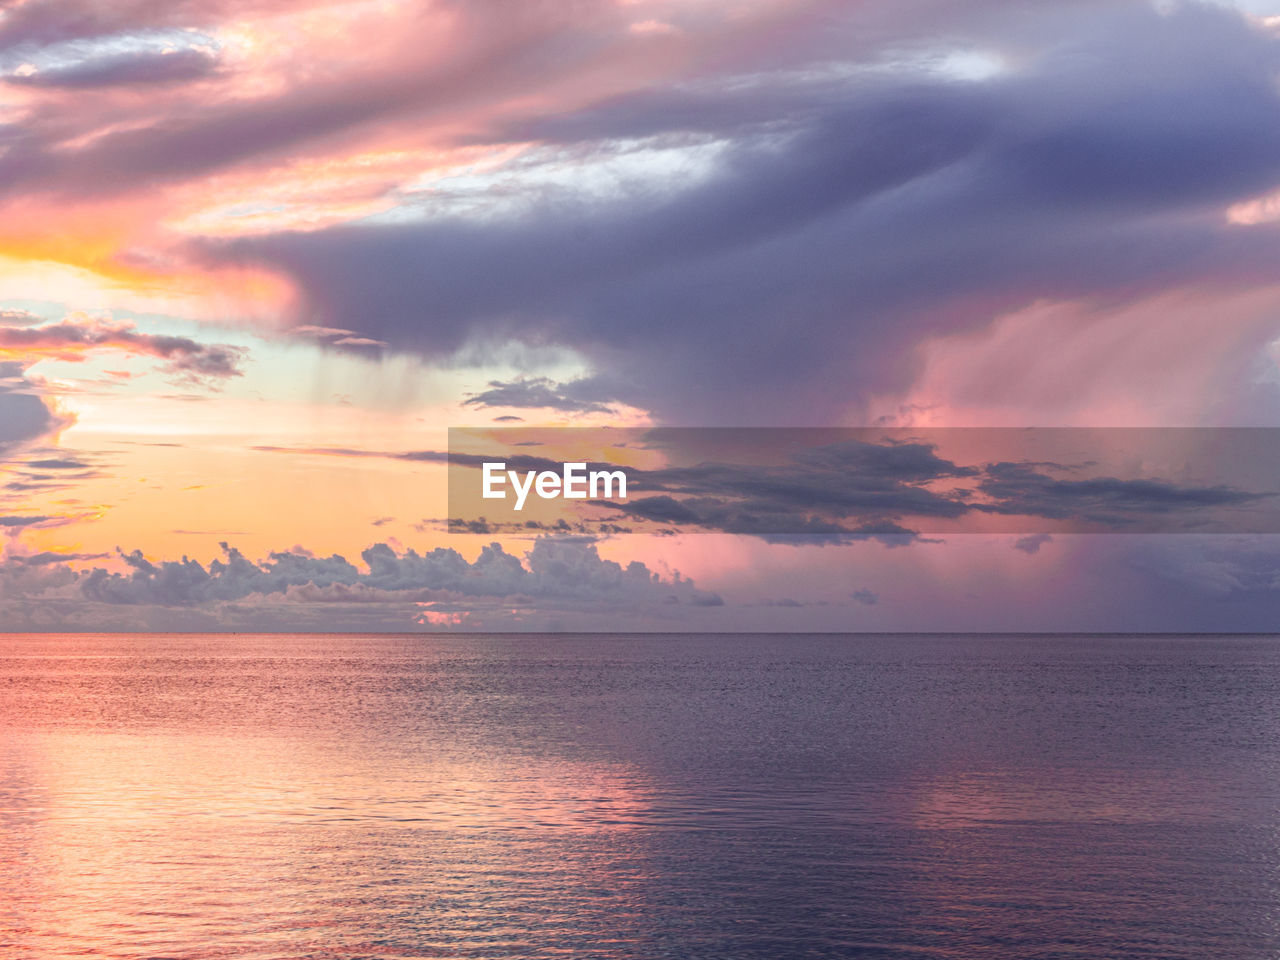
[[258, 256]]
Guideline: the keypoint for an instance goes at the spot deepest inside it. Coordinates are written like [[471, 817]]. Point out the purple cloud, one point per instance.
[[838, 233], [122, 70]]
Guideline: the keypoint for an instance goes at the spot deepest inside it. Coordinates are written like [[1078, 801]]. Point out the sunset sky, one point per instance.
[[256, 253]]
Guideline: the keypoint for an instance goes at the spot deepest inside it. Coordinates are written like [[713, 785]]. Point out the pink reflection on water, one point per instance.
[[139, 844]]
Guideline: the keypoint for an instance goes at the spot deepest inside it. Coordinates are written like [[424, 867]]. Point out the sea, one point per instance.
[[639, 796]]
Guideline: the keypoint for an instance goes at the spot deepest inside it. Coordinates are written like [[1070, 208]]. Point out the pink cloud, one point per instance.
[[1185, 357], [73, 339]]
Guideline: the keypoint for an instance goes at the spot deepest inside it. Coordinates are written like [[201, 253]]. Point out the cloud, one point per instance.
[[433, 64], [72, 339], [840, 180], [1022, 490], [1244, 569], [804, 499], [560, 576], [864, 488], [320, 333], [54, 21], [48, 558], [12, 522], [893, 490], [1032, 543], [19, 318], [24, 418], [835, 493], [540, 393], [865, 597], [58, 463], [131, 69], [877, 209]]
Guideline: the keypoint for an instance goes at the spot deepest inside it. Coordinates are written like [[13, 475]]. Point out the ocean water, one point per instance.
[[639, 797]]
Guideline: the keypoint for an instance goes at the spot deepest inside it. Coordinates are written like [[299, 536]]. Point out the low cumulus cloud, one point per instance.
[[1032, 543], [558, 577]]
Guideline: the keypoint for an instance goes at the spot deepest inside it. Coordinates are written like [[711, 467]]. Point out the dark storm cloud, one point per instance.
[[891, 462], [856, 490], [850, 490], [540, 393], [817, 495], [829, 239], [1020, 489], [771, 520]]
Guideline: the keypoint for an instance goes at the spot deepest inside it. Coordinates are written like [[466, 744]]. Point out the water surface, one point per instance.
[[639, 797]]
